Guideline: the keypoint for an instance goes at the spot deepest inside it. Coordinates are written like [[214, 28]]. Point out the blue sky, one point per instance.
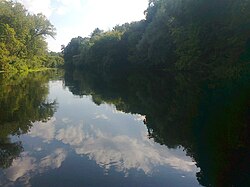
[[74, 18]]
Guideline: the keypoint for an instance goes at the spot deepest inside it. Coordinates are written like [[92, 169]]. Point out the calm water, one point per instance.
[[134, 129]]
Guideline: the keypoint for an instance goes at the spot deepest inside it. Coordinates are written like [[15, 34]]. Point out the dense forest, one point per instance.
[[22, 39], [175, 35], [209, 117]]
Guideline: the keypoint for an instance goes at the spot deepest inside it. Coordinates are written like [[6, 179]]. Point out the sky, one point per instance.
[[73, 18]]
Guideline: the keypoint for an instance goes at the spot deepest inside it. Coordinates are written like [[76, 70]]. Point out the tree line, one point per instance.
[[22, 39], [180, 35]]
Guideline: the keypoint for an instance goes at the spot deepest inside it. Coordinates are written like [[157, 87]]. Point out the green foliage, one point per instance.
[[72, 51], [176, 34], [22, 37], [8, 152], [23, 101], [103, 53], [53, 60]]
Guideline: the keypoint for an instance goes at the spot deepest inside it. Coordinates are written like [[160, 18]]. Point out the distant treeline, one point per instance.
[[176, 34], [22, 39]]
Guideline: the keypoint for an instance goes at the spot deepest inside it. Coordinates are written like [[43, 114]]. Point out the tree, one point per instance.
[[96, 32], [187, 35], [22, 41]]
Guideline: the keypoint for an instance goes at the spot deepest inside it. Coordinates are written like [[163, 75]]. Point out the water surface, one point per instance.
[[134, 129]]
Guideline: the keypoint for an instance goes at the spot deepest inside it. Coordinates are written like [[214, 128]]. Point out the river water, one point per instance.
[[132, 129]]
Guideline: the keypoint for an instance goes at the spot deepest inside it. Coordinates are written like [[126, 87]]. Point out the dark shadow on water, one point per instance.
[[210, 118]]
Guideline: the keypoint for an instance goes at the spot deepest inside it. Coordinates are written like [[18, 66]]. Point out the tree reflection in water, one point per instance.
[[23, 101], [209, 117]]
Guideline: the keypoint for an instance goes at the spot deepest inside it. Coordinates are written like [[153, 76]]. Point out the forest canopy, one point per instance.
[[175, 34], [22, 38]]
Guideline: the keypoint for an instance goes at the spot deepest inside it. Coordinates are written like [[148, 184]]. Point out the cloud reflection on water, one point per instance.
[[122, 151], [26, 166], [114, 149], [114, 140]]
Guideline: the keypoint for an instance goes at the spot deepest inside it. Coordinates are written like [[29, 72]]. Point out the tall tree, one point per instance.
[[22, 41]]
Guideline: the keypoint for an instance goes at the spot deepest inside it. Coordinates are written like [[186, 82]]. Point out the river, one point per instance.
[[123, 129]]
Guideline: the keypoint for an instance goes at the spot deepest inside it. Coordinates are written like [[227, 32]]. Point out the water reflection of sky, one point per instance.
[[85, 141]]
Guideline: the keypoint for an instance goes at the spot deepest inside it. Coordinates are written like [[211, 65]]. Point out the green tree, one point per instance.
[[73, 50], [22, 41], [187, 35]]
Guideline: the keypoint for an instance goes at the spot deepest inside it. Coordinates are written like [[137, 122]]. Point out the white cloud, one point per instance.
[[38, 6], [74, 18], [101, 116], [44, 130], [20, 167], [53, 160], [139, 117], [61, 10], [71, 135], [38, 149], [64, 35], [66, 6], [66, 120], [106, 14], [26, 166], [122, 151], [115, 111], [125, 153]]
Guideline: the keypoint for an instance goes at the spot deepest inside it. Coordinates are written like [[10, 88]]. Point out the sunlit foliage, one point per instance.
[[22, 38]]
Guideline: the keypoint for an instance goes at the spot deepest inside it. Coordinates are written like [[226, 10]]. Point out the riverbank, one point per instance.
[[29, 70]]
